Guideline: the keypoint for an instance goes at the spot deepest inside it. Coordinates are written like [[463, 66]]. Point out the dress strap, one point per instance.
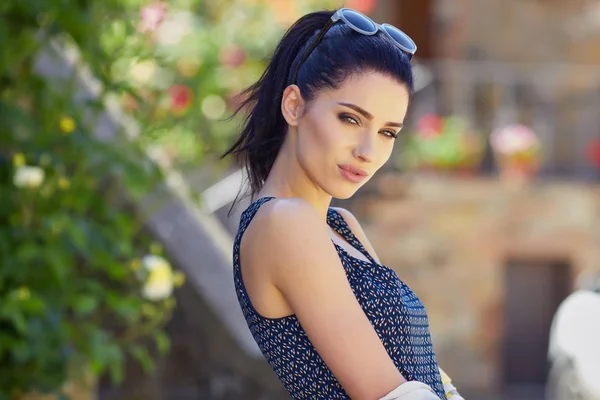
[[338, 223], [249, 213]]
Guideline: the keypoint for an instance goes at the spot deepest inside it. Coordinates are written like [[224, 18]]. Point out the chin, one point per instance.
[[343, 193]]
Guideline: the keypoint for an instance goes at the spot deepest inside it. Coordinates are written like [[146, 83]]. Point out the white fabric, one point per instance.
[[452, 392], [411, 391], [449, 388], [575, 334]]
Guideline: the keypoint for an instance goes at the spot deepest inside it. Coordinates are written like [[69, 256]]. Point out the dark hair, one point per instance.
[[340, 54]]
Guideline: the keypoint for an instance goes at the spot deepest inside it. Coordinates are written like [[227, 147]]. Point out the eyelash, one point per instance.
[[345, 118]]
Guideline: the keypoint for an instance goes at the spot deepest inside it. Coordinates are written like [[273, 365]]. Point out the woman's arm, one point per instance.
[[304, 266], [450, 389]]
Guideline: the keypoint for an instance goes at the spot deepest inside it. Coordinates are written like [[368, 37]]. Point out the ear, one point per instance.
[[292, 105]]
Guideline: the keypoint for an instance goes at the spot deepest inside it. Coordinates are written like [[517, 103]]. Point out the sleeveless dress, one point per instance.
[[394, 311]]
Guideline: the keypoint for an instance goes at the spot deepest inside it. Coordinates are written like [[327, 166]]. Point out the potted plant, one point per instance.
[[442, 144], [517, 151]]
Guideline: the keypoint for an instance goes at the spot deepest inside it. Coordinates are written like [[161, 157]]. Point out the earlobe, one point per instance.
[[292, 104]]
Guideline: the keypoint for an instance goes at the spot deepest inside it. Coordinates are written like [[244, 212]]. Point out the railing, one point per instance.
[[561, 102]]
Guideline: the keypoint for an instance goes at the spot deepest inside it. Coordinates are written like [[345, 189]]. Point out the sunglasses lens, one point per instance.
[[360, 21], [401, 38]]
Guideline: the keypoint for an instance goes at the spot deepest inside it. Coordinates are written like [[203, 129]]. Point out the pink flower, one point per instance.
[[513, 139], [152, 16], [181, 98], [430, 125], [364, 6], [232, 55]]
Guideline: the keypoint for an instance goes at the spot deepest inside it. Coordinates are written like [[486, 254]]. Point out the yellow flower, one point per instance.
[[64, 183], [67, 125], [23, 293], [159, 283], [18, 160], [188, 66]]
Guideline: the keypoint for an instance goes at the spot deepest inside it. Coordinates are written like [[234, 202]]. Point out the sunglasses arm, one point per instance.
[[310, 48]]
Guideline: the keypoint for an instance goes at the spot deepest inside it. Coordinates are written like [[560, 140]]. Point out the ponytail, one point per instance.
[[264, 127]]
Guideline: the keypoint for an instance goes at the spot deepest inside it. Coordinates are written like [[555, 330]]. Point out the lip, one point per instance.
[[352, 173]]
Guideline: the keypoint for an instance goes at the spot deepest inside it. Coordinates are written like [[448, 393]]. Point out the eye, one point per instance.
[[348, 119], [390, 133]]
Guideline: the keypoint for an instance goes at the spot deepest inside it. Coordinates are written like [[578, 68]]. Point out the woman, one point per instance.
[[330, 319]]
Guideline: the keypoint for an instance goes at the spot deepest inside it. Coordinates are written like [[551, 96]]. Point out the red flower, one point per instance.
[[364, 6], [593, 153], [181, 98], [430, 125]]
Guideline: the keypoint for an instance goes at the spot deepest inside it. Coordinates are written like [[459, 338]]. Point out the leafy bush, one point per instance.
[[81, 282]]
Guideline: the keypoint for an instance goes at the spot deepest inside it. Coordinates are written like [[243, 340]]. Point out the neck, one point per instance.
[[287, 178]]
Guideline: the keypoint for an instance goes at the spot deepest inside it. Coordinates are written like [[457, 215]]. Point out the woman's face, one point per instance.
[[345, 135]]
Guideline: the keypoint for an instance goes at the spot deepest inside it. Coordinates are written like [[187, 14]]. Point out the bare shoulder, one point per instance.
[[282, 220], [273, 245], [279, 212], [284, 227], [357, 230]]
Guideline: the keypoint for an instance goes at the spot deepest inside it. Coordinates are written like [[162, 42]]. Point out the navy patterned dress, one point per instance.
[[393, 309]]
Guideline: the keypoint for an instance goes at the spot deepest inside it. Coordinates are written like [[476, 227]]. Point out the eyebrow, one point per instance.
[[368, 115]]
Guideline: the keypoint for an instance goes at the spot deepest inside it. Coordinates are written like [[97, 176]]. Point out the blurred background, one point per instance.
[[116, 224]]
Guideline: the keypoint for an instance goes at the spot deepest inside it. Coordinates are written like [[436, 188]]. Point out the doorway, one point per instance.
[[533, 292]]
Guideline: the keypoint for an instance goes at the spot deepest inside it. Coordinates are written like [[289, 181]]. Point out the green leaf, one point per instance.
[[128, 308], [163, 342], [34, 305], [15, 314], [59, 263], [116, 370], [85, 305], [140, 354]]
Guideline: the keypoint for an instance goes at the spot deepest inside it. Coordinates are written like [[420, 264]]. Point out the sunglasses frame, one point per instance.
[[339, 16]]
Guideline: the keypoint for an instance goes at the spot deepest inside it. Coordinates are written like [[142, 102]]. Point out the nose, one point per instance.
[[365, 149]]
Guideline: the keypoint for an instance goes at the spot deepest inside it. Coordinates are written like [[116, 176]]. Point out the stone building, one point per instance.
[[493, 261]]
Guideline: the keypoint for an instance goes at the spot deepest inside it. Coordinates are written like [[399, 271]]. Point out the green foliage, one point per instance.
[[77, 284]]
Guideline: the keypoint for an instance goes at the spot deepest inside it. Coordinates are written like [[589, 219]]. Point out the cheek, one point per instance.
[[320, 138], [384, 152]]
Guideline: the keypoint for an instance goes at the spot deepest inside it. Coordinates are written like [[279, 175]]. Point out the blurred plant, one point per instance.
[[442, 144], [517, 150], [81, 282], [192, 58], [75, 285]]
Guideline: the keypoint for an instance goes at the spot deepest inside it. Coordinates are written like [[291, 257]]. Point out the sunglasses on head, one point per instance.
[[364, 25]]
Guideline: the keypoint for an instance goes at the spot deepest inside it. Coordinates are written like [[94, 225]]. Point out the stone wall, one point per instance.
[[524, 32], [450, 239], [519, 31]]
